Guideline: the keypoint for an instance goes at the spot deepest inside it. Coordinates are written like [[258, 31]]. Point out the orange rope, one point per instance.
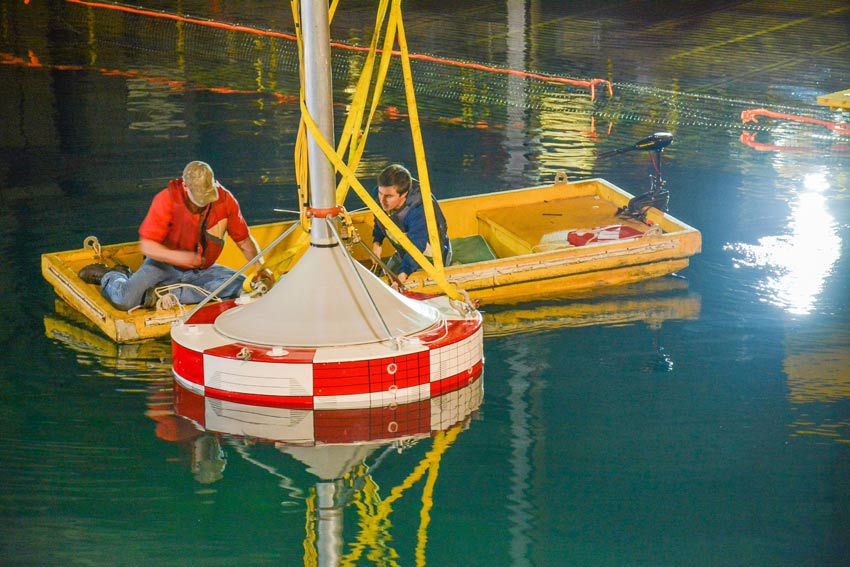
[[750, 116], [34, 62], [235, 27], [749, 139], [210, 23]]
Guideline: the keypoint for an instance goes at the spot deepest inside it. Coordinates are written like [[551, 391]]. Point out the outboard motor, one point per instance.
[[657, 196]]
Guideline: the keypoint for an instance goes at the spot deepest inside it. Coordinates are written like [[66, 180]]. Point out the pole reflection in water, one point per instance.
[[342, 449], [522, 443]]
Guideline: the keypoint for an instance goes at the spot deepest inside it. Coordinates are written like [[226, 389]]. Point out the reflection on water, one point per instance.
[[135, 362], [521, 518], [343, 450], [651, 303], [153, 107], [817, 364], [797, 264]]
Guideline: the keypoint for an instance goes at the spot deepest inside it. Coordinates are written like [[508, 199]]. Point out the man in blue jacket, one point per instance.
[[401, 198]]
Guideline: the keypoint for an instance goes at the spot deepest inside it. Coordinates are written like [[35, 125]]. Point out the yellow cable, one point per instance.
[[418, 146], [374, 513], [391, 228], [311, 554], [353, 134]]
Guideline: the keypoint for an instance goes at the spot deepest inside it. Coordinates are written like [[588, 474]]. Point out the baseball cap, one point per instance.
[[199, 181]]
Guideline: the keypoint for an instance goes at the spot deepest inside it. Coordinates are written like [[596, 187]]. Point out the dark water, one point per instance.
[[695, 421]]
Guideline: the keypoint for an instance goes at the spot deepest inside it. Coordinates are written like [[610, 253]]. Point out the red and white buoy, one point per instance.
[[330, 334]]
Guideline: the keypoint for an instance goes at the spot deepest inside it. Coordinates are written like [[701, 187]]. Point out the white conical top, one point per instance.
[[322, 302]]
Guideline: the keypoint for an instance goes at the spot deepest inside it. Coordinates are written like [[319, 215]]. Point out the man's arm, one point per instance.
[[377, 248], [183, 259], [417, 232], [378, 236], [250, 248]]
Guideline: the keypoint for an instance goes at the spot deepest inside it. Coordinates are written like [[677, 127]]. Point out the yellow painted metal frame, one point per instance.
[[836, 101]]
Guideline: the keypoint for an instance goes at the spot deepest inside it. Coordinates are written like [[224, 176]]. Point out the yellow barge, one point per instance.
[[510, 246]]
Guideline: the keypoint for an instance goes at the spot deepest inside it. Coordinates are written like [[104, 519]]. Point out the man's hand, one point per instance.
[[398, 284], [376, 250], [263, 277]]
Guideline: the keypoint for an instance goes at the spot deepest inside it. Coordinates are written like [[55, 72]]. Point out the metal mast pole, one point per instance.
[[319, 100]]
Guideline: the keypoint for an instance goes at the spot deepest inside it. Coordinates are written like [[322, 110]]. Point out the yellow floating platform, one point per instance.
[[516, 249], [836, 101]]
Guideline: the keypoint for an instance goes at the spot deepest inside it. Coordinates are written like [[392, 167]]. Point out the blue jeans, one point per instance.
[[125, 293]]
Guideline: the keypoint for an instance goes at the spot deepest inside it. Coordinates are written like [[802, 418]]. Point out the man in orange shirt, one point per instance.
[[181, 237]]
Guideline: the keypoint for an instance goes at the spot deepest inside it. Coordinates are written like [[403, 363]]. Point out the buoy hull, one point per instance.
[[442, 358]]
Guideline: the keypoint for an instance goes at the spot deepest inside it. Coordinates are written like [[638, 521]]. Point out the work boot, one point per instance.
[[150, 298], [93, 273]]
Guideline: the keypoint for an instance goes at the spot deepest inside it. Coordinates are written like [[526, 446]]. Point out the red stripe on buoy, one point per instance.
[[296, 402], [457, 381], [257, 353], [187, 363], [454, 331], [209, 313], [371, 376]]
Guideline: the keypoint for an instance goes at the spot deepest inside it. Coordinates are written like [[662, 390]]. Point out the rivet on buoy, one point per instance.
[[392, 368]]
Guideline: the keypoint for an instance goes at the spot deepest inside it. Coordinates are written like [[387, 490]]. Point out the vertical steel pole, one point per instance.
[[319, 99]]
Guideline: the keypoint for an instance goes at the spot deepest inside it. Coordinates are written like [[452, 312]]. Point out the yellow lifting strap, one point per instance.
[[380, 215], [395, 28], [352, 132], [374, 517], [419, 148]]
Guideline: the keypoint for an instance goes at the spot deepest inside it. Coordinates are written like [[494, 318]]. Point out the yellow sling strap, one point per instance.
[[351, 132]]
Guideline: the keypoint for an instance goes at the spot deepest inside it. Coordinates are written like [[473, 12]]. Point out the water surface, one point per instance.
[[699, 420]]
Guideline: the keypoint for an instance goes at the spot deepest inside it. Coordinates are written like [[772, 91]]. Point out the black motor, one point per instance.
[[657, 196]]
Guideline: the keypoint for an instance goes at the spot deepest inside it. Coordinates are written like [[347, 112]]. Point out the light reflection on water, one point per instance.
[[796, 265]]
